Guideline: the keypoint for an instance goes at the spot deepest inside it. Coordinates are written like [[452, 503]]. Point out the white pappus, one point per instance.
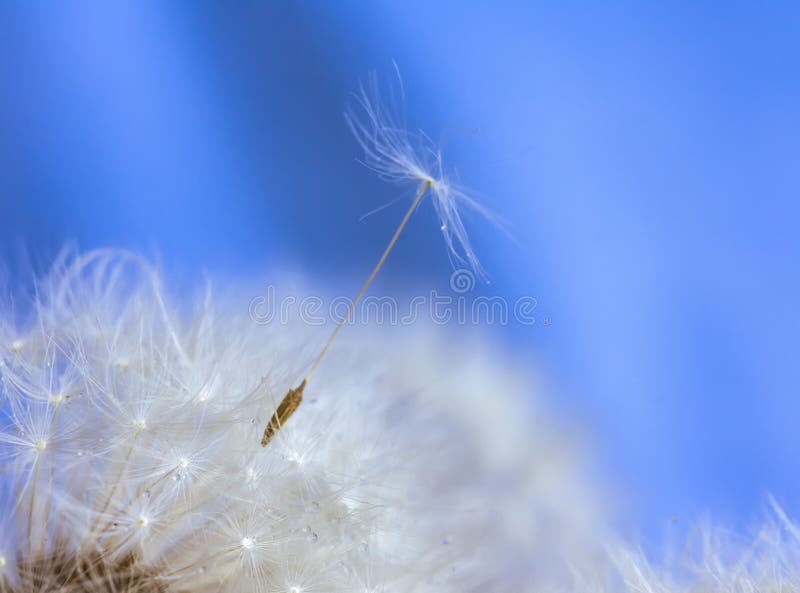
[[398, 155]]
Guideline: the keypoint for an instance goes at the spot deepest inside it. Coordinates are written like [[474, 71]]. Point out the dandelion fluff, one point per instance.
[[715, 559], [129, 454], [399, 155]]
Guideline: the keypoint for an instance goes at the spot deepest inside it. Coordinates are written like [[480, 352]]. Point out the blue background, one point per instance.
[[646, 156]]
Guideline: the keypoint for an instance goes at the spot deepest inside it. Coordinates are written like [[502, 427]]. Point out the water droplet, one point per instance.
[[306, 529], [443, 227], [313, 507], [363, 547], [147, 493], [312, 537], [248, 543]]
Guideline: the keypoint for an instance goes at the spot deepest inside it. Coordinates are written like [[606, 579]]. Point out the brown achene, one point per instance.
[[294, 397]]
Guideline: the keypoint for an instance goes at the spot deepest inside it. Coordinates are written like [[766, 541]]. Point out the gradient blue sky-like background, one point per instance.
[[647, 156]]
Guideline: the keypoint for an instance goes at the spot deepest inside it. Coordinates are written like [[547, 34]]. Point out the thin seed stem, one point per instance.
[[375, 270], [291, 401]]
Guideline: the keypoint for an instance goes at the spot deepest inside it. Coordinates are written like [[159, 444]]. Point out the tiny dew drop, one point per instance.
[[312, 537], [313, 507], [363, 547]]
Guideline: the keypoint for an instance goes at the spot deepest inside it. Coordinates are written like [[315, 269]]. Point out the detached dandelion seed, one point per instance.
[[397, 156]]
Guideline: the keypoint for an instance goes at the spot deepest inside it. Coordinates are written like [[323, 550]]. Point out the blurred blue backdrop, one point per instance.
[[646, 155]]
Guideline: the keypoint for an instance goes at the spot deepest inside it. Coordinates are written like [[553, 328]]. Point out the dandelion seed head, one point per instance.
[[136, 479], [412, 439]]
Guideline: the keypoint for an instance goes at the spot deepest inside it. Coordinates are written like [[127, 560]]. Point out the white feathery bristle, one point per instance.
[[717, 559], [401, 156], [130, 456]]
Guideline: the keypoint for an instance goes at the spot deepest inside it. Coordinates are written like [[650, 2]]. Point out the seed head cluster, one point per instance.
[[130, 456]]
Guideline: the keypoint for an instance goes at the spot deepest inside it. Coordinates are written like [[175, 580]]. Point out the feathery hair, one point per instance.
[[399, 155]]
